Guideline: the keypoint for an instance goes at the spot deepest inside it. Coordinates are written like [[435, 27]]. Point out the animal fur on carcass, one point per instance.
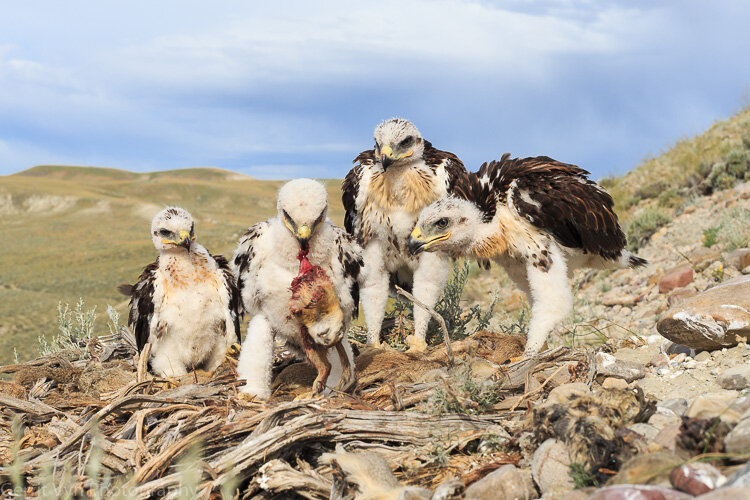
[[316, 306], [593, 426]]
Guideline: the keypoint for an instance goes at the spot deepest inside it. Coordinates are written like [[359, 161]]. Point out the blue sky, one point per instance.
[[296, 88]]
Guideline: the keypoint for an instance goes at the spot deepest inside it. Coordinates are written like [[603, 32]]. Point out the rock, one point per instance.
[[697, 478], [738, 259], [740, 477], [563, 393], [677, 405], [680, 295], [746, 270], [702, 257], [671, 348], [651, 469], [702, 356], [617, 298], [666, 439], [614, 383], [505, 483], [609, 366], [580, 494], [676, 278], [659, 359], [648, 431], [712, 319], [715, 404], [728, 493], [451, 489], [550, 467], [636, 492], [736, 377], [738, 439], [664, 417]]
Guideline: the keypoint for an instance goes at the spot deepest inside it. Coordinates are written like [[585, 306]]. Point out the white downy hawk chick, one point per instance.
[[186, 303], [540, 219], [266, 263], [383, 196]]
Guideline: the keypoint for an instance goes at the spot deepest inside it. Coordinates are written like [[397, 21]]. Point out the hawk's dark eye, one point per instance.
[[164, 232], [442, 223], [406, 142]]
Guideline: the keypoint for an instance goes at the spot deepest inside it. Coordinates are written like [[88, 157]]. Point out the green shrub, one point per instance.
[[671, 198], [710, 236], [737, 163], [644, 226], [650, 191], [462, 394], [735, 228], [76, 329]]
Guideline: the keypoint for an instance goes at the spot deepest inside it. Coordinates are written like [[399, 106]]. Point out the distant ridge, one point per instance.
[[91, 173]]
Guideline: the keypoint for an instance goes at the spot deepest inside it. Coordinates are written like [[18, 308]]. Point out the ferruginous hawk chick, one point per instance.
[[540, 219], [266, 262], [186, 303], [383, 196]]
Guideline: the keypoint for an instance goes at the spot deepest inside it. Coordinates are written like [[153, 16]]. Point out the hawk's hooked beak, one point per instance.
[[185, 238], [386, 156], [418, 243], [303, 234]]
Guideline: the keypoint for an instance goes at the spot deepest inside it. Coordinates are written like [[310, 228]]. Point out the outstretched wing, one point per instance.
[[142, 304], [233, 291], [558, 198], [349, 260], [244, 266]]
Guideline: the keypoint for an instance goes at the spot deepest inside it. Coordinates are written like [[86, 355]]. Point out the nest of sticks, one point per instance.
[[94, 422]]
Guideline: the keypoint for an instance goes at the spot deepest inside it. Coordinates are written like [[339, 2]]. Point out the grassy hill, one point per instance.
[[71, 232]]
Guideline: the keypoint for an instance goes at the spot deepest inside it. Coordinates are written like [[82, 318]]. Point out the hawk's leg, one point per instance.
[[429, 282], [374, 291], [256, 358], [551, 299], [164, 365]]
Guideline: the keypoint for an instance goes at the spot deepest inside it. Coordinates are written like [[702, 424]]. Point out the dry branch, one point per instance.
[[435, 315]]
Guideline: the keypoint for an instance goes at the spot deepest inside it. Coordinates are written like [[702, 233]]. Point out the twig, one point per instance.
[[435, 315], [524, 396], [143, 363]]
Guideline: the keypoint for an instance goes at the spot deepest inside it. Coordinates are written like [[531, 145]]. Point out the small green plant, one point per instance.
[[650, 191], [458, 319], [644, 226], [492, 443], [438, 449], [114, 320], [710, 236], [671, 198], [718, 273], [76, 329], [735, 228], [605, 286], [459, 393], [581, 477]]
